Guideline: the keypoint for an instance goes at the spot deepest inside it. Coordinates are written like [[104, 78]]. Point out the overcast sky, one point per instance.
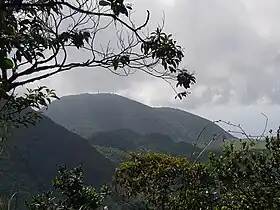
[[232, 45]]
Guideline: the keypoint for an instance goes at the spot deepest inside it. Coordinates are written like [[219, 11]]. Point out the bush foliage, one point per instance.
[[242, 178]]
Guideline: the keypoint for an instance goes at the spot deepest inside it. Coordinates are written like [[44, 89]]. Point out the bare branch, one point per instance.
[[208, 144]]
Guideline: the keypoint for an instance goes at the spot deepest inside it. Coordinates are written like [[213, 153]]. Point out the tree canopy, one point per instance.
[[73, 193], [37, 37], [242, 178]]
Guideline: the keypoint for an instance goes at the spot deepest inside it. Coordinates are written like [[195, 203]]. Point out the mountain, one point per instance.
[[122, 139], [36, 152], [160, 143], [192, 126], [117, 145], [87, 114], [126, 140]]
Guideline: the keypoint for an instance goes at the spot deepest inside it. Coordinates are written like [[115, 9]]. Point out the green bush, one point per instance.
[[242, 178], [69, 192]]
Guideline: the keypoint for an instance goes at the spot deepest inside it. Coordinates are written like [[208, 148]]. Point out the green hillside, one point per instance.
[[36, 152], [87, 114], [117, 145], [255, 144]]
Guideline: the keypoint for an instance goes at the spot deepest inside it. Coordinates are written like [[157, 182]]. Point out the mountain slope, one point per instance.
[[154, 142], [35, 153], [120, 139], [116, 145], [192, 126], [87, 114]]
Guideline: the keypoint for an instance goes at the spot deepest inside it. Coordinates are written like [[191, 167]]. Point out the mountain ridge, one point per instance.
[[87, 114]]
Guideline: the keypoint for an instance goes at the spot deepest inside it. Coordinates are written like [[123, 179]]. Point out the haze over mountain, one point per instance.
[[87, 114]]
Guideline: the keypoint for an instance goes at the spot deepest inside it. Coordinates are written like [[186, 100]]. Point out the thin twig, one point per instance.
[[202, 151]]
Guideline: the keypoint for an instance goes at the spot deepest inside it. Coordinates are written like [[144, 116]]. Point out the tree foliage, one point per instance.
[[15, 111], [242, 178], [163, 182], [71, 193], [36, 38]]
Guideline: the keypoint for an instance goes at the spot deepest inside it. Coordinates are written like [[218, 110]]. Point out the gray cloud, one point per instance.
[[233, 46], [229, 53]]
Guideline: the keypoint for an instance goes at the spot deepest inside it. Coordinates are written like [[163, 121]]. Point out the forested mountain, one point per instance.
[[87, 114], [35, 153], [129, 141], [113, 127], [117, 145]]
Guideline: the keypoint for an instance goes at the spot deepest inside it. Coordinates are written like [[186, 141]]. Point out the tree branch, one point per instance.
[[26, 5]]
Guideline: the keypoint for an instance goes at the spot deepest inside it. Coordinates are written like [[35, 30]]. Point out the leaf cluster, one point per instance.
[[242, 178], [163, 181], [16, 110], [117, 6], [33, 41], [69, 192]]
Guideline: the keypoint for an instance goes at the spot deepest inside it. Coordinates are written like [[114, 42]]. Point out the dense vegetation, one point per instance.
[[36, 38], [240, 179]]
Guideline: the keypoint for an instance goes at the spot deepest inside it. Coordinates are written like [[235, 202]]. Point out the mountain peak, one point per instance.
[[87, 114]]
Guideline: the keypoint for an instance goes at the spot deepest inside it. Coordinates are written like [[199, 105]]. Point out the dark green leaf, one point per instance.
[[18, 55], [27, 56], [6, 63], [115, 63], [40, 54], [122, 9], [129, 7], [104, 3]]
